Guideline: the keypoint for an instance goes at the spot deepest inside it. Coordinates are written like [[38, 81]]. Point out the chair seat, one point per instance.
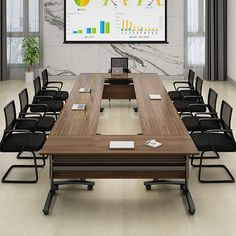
[[16, 142], [50, 93], [44, 124], [192, 124], [182, 106], [175, 95], [185, 93], [220, 141], [57, 95], [62, 95], [53, 106]]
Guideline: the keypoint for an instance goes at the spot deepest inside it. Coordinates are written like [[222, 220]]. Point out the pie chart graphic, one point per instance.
[[82, 3]]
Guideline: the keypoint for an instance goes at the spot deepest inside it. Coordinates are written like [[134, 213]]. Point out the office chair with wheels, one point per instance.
[[192, 121], [215, 140], [60, 95], [182, 106], [44, 123], [54, 106], [185, 85], [17, 140]]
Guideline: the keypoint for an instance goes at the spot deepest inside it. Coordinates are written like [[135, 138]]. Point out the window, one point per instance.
[[23, 19], [195, 36]]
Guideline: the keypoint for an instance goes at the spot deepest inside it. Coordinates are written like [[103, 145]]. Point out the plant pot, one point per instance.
[[29, 77]]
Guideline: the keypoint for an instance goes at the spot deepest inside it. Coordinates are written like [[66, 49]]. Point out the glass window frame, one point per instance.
[[26, 33]]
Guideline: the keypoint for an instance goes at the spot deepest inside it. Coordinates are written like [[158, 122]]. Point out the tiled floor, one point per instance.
[[117, 207]]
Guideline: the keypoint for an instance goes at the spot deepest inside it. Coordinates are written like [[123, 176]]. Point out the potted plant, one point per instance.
[[30, 56]]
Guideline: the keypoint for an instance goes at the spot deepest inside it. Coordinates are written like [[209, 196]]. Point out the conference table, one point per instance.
[[78, 153]]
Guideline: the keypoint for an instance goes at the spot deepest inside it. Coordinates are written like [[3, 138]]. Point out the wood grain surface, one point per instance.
[[75, 131]]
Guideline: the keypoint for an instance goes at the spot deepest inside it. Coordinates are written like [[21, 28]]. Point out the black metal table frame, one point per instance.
[[184, 186]]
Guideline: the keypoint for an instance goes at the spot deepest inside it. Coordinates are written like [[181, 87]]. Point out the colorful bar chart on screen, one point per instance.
[[128, 26], [91, 30], [104, 27], [116, 21]]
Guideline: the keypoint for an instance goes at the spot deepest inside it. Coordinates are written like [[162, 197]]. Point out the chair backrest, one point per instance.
[[226, 114], [37, 86], [199, 83], [45, 77], [24, 100], [10, 115], [212, 99], [191, 75], [120, 62]]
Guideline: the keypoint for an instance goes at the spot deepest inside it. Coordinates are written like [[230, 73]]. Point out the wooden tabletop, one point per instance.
[[75, 131]]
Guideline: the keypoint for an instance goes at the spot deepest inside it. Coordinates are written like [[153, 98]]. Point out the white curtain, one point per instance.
[[195, 36]]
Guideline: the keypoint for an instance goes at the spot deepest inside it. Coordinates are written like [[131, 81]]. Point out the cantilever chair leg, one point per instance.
[[201, 166], [193, 158], [43, 158], [35, 167]]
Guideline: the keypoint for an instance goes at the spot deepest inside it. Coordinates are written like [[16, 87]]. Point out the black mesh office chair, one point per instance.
[[120, 62], [182, 106], [54, 106], [216, 140], [15, 140], [185, 85], [44, 123], [60, 95], [192, 121]]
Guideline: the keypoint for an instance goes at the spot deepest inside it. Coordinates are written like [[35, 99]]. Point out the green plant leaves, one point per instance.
[[31, 52]]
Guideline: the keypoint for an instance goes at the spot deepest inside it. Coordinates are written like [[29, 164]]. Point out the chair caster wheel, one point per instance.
[[101, 109], [191, 211], [90, 187], [135, 109], [148, 187]]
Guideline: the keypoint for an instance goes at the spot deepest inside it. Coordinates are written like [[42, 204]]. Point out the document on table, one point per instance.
[[85, 90], [121, 145], [155, 97], [78, 107], [153, 143]]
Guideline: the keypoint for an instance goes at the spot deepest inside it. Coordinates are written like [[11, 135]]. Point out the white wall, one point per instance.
[[232, 39], [63, 59]]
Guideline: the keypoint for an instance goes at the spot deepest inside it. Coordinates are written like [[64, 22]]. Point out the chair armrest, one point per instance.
[[43, 97], [16, 131], [183, 89], [205, 113], [39, 105], [51, 88], [56, 82], [180, 82], [30, 113], [192, 97], [197, 105], [219, 131]]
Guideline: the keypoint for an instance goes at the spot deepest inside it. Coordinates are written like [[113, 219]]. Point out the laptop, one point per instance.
[[117, 71]]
